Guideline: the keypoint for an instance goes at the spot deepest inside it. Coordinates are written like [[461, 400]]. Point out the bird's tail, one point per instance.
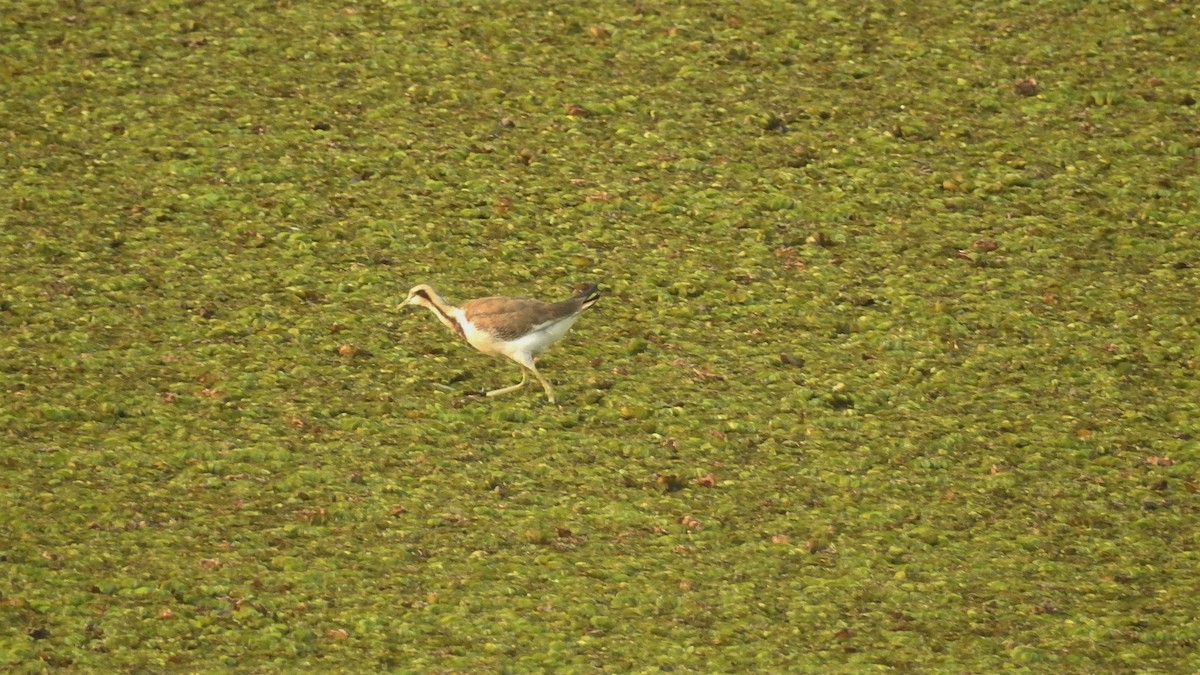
[[587, 295]]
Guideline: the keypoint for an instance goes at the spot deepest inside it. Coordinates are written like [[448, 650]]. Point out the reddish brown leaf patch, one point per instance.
[[1026, 87]]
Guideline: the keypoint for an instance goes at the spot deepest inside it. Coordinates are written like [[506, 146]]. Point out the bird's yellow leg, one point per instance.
[[545, 384], [509, 390]]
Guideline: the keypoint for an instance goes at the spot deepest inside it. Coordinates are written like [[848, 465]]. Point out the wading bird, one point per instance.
[[517, 328]]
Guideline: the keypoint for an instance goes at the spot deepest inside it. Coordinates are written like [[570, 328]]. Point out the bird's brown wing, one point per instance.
[[510, 318]]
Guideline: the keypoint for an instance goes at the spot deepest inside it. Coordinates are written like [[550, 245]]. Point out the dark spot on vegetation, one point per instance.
[[820, 239], [321, 126], [774, 122], [841, 402], [670, 483], [789, 360]]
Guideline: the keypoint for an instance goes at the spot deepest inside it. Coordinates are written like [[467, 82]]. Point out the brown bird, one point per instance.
[[517, 328]]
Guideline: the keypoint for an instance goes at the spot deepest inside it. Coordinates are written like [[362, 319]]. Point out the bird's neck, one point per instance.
[[445, 312]]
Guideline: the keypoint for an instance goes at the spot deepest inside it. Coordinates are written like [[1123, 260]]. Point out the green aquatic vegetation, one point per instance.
[[895, 367]]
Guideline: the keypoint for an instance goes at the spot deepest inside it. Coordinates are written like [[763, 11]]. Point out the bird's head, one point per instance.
[[420, 295]]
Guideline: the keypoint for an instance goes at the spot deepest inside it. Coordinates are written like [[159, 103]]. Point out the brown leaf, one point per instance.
[[347, 349], [690, 523], [705, 374], [318, 515], [1026, 87], [338, 633], [781, 539], [708, 480], [166, 613], [599, 32], [1160, 461], [211, 564], [576, 110], [985, 245]]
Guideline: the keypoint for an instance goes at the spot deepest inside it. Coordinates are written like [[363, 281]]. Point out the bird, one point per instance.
[[515, 328]]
